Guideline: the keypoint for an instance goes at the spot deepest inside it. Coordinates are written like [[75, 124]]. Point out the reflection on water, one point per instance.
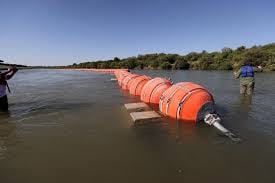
[[6, 134], [69, 126], [245, 104]]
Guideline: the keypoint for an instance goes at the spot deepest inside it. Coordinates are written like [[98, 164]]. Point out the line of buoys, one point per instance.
[[127, 81], [153, 89], [122, 76], [138, 84], [184, 101], [97, 70]]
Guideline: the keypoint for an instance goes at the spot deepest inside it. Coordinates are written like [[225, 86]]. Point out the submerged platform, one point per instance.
[[144, 116], [137, 107], [141, 112]]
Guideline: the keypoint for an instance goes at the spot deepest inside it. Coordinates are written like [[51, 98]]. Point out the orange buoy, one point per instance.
[[122, 76], [125, 82], [153, 89], [137, 84], [119, 72], [186, 101]]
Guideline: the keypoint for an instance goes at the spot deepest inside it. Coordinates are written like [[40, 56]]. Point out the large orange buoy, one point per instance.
[[122, 76], [119, 73], [125, 83], [153, 89], [137, 84], [186, 101]]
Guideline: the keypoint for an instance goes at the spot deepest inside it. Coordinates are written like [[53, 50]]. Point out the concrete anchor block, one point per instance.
[[144, 116], [137, 107]]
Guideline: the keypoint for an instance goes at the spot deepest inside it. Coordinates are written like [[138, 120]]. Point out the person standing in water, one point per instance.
[[246, 76], [4, 106]]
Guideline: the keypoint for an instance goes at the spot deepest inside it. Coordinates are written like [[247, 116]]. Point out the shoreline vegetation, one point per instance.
[[226, 59], [4, 66]]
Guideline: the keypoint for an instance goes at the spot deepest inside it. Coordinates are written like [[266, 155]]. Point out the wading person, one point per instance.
[[246, 76], [3, 86]]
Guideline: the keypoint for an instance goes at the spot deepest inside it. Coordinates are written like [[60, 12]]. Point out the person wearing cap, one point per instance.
[[246, 76], [4, 76]]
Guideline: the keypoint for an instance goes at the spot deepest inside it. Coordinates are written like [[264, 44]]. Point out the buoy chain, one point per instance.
[[232, 136]]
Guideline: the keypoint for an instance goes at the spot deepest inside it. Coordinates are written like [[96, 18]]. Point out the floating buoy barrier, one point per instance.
[[119, 73], [153, 89], [137, 85], [184, 101], [122, 76], [126, 82]]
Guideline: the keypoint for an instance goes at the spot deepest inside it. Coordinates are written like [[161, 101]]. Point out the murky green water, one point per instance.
[[69, 126]]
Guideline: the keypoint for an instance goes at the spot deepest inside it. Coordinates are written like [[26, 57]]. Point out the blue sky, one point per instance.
[[61, 32]]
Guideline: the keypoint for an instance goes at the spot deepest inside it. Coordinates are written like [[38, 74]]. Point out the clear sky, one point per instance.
[[61, 32]]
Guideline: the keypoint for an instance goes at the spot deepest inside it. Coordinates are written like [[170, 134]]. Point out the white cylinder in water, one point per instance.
[[220, 127]]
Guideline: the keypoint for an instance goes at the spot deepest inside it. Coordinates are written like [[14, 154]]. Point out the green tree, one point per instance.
[[165, 65], [116, 59], [226, 59], [181, 63]]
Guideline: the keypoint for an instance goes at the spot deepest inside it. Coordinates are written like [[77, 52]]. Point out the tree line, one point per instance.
[[226, 59], [5, 65]]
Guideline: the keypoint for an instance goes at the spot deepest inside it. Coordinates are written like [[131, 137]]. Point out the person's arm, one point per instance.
[[11, 73], [3, 74], [237, 74], [258, 69]]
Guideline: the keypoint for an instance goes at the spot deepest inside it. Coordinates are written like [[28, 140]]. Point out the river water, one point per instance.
[[70, 126]]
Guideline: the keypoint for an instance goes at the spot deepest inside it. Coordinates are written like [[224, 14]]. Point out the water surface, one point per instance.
[[70, 126]]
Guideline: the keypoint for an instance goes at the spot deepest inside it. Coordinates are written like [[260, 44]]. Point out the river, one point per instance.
[[71, 126]]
